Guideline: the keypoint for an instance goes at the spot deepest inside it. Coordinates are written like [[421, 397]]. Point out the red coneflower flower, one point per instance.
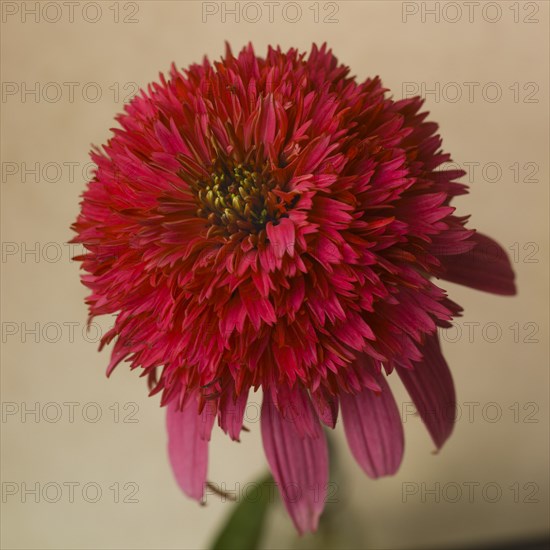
[[274, 223]]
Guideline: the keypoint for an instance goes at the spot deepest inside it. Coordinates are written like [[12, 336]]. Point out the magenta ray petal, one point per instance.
[[231, 414], [486, 267], [188, 436], [431, 388], [299, 465], [282, 237], [373, 429]]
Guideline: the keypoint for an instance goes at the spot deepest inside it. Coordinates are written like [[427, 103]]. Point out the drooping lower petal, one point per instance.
[[431, 388], [486, 267], [373, 429], [188, 437], [299, 465]]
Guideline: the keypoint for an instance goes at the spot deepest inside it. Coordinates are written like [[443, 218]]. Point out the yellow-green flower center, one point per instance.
[[235, 200]]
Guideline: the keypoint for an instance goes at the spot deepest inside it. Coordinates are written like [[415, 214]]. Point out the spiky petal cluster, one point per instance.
[[271, 222]]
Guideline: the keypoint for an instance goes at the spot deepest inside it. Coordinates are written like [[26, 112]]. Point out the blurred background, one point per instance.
[[83, 458]]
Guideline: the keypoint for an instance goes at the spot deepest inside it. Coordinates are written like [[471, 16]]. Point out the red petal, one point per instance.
[[299, 466], [188, 435], [431, 387], [486, 267], [281, 237], [373, 429], [232, 413]]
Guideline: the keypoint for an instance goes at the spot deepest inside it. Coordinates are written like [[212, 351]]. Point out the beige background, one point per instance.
[[504, 376]]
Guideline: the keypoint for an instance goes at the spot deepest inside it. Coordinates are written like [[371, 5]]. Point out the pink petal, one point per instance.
[[267, 125], [296, 408], [431, 388], [299, 466], [486, 267], [257, 307], [231, 413], [234, 317], [373, 429], [282, 237], [188, 436]]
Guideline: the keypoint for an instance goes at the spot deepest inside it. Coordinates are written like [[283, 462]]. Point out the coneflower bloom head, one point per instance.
[[273, 223]]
